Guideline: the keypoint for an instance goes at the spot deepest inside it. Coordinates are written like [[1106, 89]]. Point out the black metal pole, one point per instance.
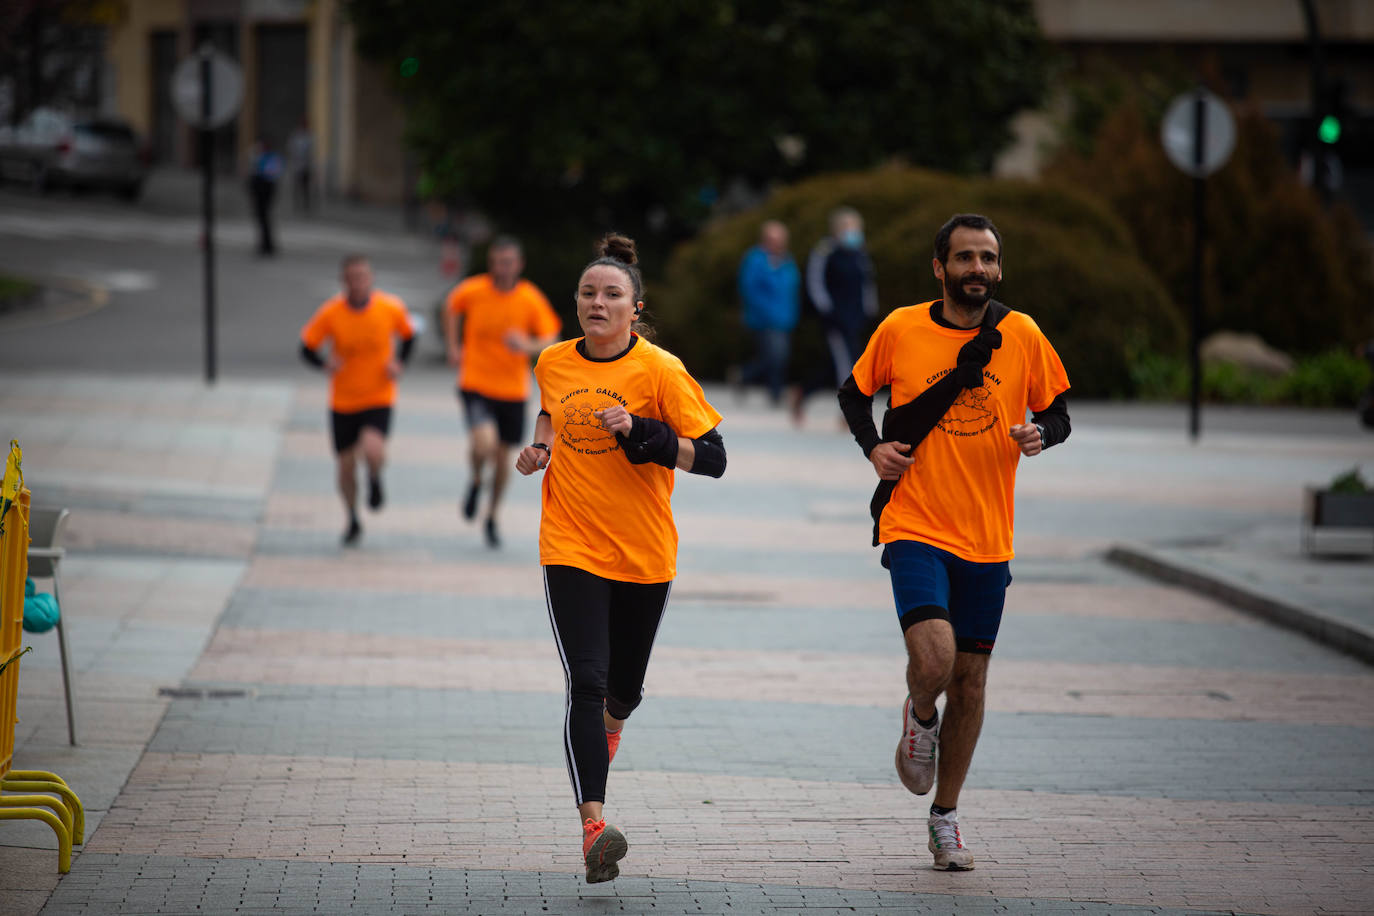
[[207, 204], [1314, 141], [1199, 243]]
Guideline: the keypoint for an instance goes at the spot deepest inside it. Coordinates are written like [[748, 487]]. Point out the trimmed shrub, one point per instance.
[[1068, 262], [1331, 379]]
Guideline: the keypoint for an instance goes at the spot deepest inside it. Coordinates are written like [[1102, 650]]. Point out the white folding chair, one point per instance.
[[45, 557]]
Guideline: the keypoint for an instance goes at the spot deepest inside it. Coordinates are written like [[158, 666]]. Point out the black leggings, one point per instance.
[[605, 631]]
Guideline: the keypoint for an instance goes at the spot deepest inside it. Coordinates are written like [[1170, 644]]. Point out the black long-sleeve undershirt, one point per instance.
[[312, 357], [1054, 420], [857, 408]]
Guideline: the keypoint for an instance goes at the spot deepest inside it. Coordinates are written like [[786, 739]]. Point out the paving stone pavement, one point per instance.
[[272, 724]]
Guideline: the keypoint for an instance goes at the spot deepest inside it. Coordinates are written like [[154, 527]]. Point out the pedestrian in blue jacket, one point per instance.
[[770, 290]]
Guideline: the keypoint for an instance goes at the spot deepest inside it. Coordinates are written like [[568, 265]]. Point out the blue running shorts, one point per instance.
[[930, 583]]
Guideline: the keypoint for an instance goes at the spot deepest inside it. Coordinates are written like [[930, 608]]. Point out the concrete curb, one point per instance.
[[60, 299], [1342, 635]]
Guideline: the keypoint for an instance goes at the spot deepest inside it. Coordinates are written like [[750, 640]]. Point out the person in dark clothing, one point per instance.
[[262, 188], [843, 293]]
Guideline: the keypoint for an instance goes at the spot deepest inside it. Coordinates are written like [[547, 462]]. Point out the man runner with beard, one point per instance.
[[963, 370]]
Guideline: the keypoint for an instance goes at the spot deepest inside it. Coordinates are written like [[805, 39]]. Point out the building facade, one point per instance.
[[299, 69], [1263, 51]]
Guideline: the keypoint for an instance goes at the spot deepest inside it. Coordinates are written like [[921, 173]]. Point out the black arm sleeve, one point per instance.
[[1055, 421], [857, 408], [708, 451], [406, 346], [545, 413], [312, 357]]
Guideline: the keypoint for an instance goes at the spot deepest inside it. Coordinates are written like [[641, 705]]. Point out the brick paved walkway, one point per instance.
[[377, 731]]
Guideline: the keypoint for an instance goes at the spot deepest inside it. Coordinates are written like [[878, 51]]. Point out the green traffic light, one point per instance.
[[410, 66], [1330, 129]]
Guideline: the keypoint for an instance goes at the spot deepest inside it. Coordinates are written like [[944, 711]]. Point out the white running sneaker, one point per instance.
[[950, 852], [916, 752]]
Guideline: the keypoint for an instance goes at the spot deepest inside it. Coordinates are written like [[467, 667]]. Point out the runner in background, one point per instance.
[[493, 324], [361, 326]]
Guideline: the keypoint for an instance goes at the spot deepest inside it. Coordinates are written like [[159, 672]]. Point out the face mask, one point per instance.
[[853, 238]]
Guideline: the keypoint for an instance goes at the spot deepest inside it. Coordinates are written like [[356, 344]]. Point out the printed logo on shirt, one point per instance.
[[583, 431], [969, 415]]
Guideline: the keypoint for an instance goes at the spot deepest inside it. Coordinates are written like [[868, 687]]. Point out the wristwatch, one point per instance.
[[545, 446], [1044, 443]]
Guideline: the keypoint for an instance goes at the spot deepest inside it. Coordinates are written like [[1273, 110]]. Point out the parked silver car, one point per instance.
[[49, 148]]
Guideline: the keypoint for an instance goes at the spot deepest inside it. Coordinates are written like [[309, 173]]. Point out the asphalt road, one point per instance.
[[142, 271]]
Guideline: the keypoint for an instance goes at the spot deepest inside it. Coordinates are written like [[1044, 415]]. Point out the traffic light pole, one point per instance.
[[1199, 245], [1314, 42], [207, 208]]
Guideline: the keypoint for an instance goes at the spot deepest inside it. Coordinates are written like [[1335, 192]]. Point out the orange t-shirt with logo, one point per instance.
[[960, 494], [601, 513], [364, 342], [489, 367]]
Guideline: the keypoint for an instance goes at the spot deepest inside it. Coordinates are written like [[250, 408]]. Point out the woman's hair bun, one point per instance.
[[620, 247]]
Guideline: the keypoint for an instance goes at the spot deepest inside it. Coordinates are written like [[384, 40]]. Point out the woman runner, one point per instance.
[[618, 416]]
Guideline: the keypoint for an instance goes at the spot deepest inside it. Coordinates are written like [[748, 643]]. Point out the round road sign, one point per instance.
[[1198, 155], [226, 89]]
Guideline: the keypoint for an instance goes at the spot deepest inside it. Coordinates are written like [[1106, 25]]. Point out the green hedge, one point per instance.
[[1067, 260], [1331, 379]]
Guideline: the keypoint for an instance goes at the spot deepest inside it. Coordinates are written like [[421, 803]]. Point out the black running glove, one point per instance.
[[648, 441]]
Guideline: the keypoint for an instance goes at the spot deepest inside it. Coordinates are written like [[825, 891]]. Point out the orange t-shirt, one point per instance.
[[363, 341], [489, 367], [960, 494], [601, 513]]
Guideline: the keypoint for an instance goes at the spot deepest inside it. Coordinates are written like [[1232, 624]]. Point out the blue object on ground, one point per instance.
[[41, 612]]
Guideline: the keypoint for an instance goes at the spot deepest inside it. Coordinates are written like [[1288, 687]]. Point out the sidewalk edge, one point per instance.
[[79, 298], [1329, 631]]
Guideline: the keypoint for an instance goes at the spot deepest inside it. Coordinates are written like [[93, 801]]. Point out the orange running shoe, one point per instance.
[[602, 847], [613, 742]]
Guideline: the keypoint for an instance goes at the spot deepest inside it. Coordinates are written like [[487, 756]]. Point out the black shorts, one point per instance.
[[348, 426], [509, 416]]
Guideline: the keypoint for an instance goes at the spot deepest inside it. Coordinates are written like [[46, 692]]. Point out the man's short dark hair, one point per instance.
[[963, 221], [506, 241], [350, 259]]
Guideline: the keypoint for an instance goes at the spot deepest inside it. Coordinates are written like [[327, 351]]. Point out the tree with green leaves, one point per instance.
[[639, 113]]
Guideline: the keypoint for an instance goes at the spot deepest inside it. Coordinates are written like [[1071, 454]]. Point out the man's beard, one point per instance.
[[964, 299]]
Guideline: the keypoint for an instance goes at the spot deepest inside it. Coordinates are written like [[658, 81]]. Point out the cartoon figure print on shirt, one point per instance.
[[582, 430], [970, 415]]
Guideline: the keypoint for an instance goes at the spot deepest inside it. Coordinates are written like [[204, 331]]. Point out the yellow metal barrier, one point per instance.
[[47, 797]]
